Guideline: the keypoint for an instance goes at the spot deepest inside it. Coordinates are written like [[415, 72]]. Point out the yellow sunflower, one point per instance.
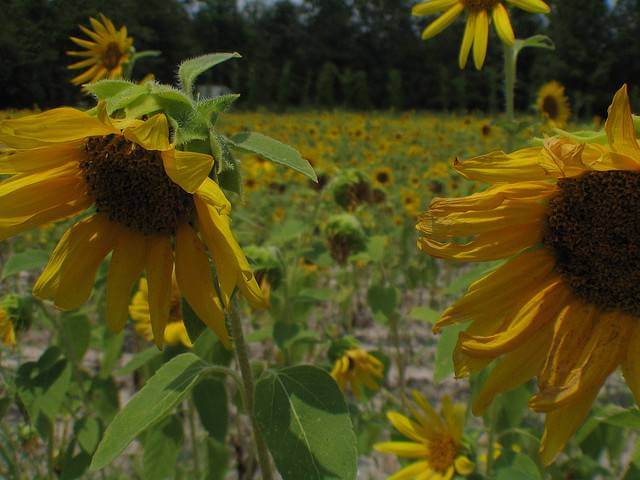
[[553, 104], [358, 368], [175, 332], [382, 176], [7, 331], [147, 196], [105, 53], [476, 32], [565, 306], [410, 202], [435, 441]]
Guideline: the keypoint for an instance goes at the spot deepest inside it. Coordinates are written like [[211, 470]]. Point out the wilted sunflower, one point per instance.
[[175, 333], [565, 307], [476, 32], [359, 369], [436, 441], [148, 197], [106, 52], [553, 104]]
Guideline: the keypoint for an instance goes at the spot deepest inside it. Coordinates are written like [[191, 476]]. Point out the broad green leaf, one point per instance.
[[304, 419], [189, 70], [25, 261], [87, 432], [145, 54], [217, 460], [275, 151], [444, 352], [104, 89], [376, 248], [139, 360], [523, 468], [162, 445], [210, 399], [157, 399], [383, 299], [75, 467], [424, 314], [211, 107], [317, 294], [125, 97], [111, 351], [76, 330], [284, 332]]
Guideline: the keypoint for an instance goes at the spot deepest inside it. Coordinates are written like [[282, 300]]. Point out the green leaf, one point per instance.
[[444, 351], [76, 330], [536, 41], [112, 348], [424, 314], [145, 54], [523, 468], [382, 299], [25, 261], [87, 432], [376, 248], [275, 151], [162, 445], [305, 422], [157, 399], [104, 89], [210, 399], [211, 107], [139, 360], [217, 460], [192, 322], [125, 97], [284, 332], [189, 70]]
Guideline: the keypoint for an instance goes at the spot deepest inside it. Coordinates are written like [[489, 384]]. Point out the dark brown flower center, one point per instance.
[[593, 229], [442, 453], [129, 185], [111, 56], [382, 177], [550, 107], [480, 4]]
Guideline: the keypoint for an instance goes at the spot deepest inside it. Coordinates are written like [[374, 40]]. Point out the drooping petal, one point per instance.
[[532, 6], [497, 167], [619, 127], [631, 364], [503, 24], [159, 268], [467, 40], [194, 277], [187, 169], [211, 193], [31, 160], [443, 21], [481, 38], [127, 263], [152, 134], [431, 7], [68, 277]]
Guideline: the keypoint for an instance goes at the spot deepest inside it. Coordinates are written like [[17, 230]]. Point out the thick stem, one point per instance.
[[242, 357], [510, 59]]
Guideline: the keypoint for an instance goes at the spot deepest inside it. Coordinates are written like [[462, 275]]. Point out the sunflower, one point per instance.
[[476, 32], [410, 202], [147, 197], [436, 441], [105, 53], [175, 333], [358, 368], [553, 104], [7, 331], [382, 177], [564, 308]]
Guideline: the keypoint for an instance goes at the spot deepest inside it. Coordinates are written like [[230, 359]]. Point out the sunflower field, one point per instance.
[[190, 290]]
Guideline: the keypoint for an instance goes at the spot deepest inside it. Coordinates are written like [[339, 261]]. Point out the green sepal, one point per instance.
[[210, 108]]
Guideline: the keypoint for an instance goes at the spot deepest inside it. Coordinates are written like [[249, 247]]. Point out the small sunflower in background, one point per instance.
[[476, 33], [410, 202], [357, 368], [155, 207], [565, 307], [382, 177], [105, 52], [7, 331], [553, 104], [175, 332], [434, 441]]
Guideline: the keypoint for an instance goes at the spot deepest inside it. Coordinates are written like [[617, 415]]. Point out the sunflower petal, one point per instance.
[[619, 127], [503, 24], [467, 40], [497, 167], [153, 134], [431, 7], [532, 6], [631, 364], [159, 268], [443, 21], [403, 449], [480, 39], [187, 169]]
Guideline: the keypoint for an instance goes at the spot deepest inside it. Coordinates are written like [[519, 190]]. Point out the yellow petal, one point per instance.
[[432, 6], [467, 40], [211, 193], [464, 466], [159, 268], [411, 471], [195, 281], [532, 6], [480, 39], [14, 161], [503, 24], [561, 424], [406, 426], [53, 126], [497, 167], [68, 277], [631, 364], [619, 127], [443, 21], [187, 169], [152, 134], [176, 333], [403, 449], [127, 263]]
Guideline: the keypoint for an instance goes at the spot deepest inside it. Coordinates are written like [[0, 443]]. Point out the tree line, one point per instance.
[[357, 54]]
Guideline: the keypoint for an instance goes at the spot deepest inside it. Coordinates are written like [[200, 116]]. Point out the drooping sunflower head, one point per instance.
[[479, 14], [434, 440], [565, 305], [358, 369], [553, 104], [345, 237], [104, 53]]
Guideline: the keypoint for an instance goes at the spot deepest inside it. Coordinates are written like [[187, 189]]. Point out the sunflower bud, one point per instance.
[[350, 189], [345, 236]]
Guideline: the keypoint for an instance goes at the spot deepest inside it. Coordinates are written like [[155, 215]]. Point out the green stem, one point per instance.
[[242, 357], [395, 338], [194, 440], [493, 418], [510, 71]]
